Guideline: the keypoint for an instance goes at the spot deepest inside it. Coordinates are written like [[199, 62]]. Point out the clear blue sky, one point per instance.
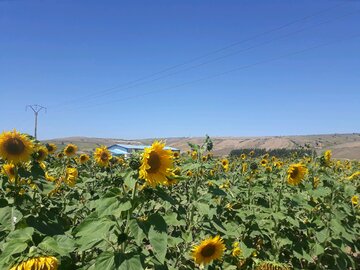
[[65, 54]]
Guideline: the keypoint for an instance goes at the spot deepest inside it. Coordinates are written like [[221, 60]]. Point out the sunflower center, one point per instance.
[[14, 146], [154, 162], [104, 157], [294, 172], [11, 171], [69, 150], [208, 250]]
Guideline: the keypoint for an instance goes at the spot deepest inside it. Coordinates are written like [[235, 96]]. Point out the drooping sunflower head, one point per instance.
[[296, 174], [156, 164], [41, 263], [208, 250], [102, 156], [41, 153], [15, 147], [51, 148], [9, 170], [71, 176], [70, 150], [83, 158]]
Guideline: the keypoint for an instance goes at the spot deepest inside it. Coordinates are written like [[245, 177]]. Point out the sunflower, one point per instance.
[[263, 162], [244, 167], [296, 173], [41, 153], [355, 200], [70, 150], [204, 158], [9, 170], [176, 154], [49, 177], [327, 156], [209, 249], [40, 263], [15, 147], [243, 156], [189, 173], [354, 175], [51, 148], [236, 251], [83, 158], [71, 176], [194, 155], [102, 156], [156, 164], [60, 155]]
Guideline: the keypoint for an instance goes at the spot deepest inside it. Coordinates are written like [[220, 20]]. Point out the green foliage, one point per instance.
[[110, 220]]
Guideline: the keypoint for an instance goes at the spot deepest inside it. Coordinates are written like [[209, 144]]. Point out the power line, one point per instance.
[[36, 109], [231, 54], [110, 90], [224, 73]]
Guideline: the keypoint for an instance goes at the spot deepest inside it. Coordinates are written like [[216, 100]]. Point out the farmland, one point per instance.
[[70, 206]]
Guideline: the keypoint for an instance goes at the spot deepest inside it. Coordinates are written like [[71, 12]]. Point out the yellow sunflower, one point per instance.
[[102, 156], [243, 156], [296, 174], [39, 263], [60, 155], [264, 162], [71, 176], [70, 150], [354, 175], [355, 200], [176, 154], [327, 156], [41, 153], [15, 147], [83, 158], [194, 155], [9, 170], [209, 249], [51, 148], [156, 164], [236, 251]]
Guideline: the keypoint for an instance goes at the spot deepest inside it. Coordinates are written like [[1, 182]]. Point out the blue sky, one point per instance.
[[303, 78]]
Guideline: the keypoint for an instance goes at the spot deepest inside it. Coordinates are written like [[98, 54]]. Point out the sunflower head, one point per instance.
[[41, 153], [243, 156], [208, 250], [15, 147], [71, 176], [156, 164], [51, 148], [327, 156], [296, 174], [10, 171], [70, 150], [264, 162], [176, 154], [83, 158], [102, 156], [43, 262], [236, 251], [355, 200]]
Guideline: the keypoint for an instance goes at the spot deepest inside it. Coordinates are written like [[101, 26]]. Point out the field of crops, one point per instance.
[[60, 209]]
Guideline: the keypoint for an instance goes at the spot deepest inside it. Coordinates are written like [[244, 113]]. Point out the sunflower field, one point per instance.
[[64, 209]]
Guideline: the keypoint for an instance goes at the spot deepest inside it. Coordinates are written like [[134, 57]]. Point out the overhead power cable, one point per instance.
[[222, 73], [230, 54], [234, 44]]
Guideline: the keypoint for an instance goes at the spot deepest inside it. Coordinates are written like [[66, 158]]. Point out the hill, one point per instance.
[[343, 145]]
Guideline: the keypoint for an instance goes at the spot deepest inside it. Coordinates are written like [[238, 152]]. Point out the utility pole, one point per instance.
[[36, 109]]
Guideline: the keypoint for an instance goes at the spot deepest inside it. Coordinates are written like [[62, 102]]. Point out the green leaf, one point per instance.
[[60, 244], [133, 263], [246, 252], [158, 241], [105, 261], [21, 235]]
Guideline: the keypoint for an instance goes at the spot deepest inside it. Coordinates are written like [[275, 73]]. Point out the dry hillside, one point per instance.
[[342, 145]]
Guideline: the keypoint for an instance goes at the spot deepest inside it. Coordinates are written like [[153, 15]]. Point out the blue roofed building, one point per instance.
[[127, 149]]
